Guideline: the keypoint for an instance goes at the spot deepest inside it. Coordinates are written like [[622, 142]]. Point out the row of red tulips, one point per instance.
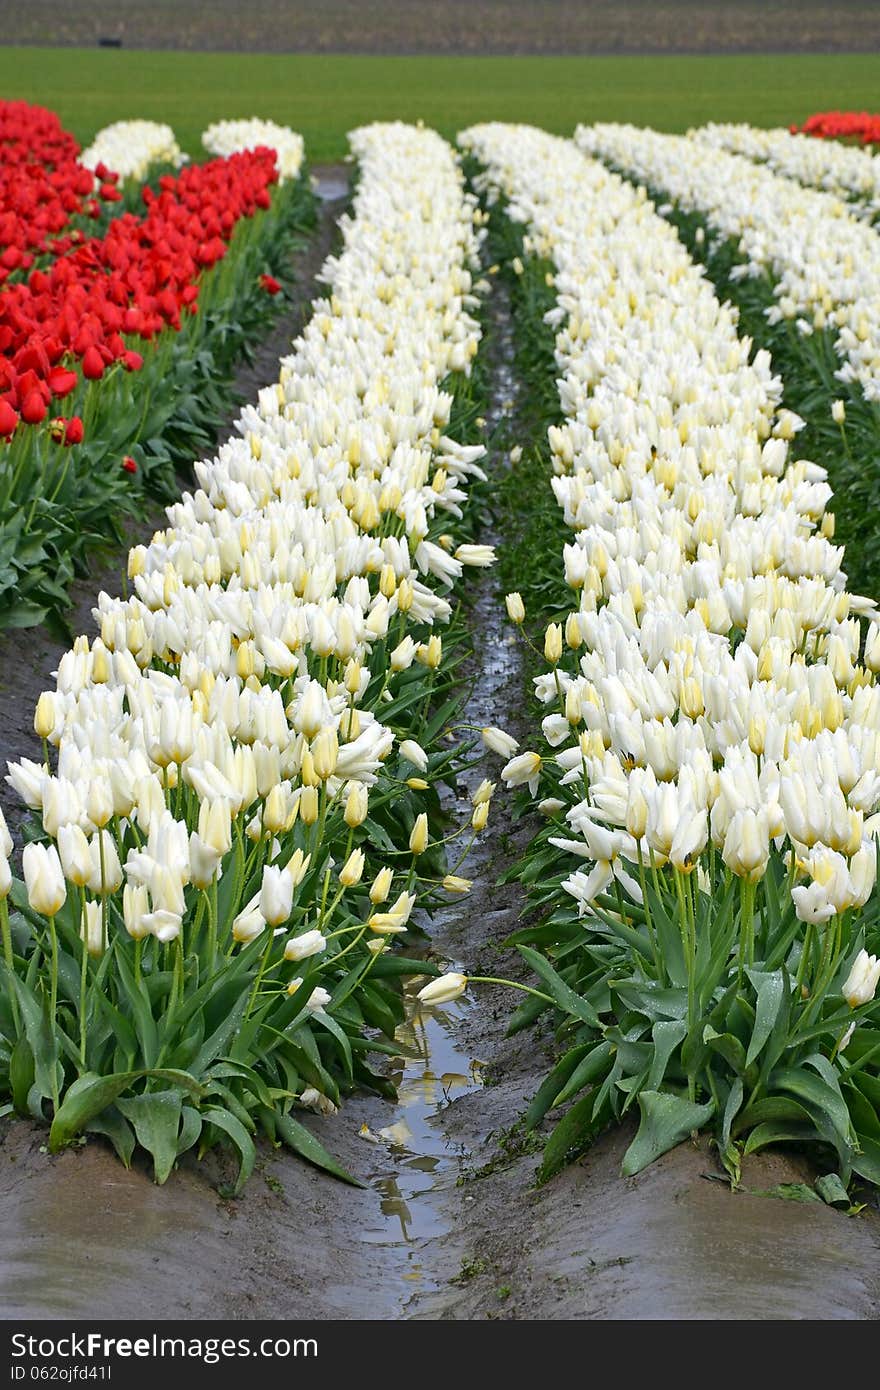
[[134, 336], [139, 279], [842, 125], [44, 190]]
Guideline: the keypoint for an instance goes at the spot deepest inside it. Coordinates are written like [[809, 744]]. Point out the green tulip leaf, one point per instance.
[[666, 1120]]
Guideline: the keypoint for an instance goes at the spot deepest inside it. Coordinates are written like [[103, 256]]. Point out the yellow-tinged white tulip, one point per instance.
[[418, 840], [459, 886], [380, 888], [73, 851], [352, 870], [105, 877], [313, 1099], [553, 643], [861, 983], [5, 876], [135, 907], [497, 741], [356, 805], [524, 768], [318, 1000], [414, 753], [516, 609], [483, 792], [44, 879], [480, 816], [308, 943], [308, 805], [444, 988], [248, 925], [45, 716], [93, 930]]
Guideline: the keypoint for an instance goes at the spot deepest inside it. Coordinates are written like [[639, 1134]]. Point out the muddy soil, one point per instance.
[[29, 658], [449, 1224]]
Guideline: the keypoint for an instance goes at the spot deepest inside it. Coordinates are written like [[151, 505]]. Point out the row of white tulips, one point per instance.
[[844, 170], [226, 690], [825, 261], [233, 136], [132, 148], [719, 703]]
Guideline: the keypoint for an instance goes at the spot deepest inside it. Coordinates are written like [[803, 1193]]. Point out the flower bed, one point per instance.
[[232, 137], [843, 125], [45, 189], [708, 745], [243, 810], [115, 360], [806, 274], [132, 148], [850, 173]]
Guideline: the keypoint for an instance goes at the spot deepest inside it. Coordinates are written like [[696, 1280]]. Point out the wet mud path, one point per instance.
[[449, 1223]]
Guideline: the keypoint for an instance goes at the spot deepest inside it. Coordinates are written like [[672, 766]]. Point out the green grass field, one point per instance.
[[325, 96]]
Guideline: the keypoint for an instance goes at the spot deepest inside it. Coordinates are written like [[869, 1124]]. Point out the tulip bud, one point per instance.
[[430, 653], [838, 412], [453, 884], [275, 811], [356, 805], [93, 929], [308, 773], [444, 989], [276, 895], [352, 870], [516, 610], [483, 792], [418, 840], [553, 643], [308, 805], [44, 717], [135, 907], [573, 635], [480, 816], [381, 886], [325, 752]]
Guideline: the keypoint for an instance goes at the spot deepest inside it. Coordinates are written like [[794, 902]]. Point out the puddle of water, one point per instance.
[[429, 1074], [330, 187]]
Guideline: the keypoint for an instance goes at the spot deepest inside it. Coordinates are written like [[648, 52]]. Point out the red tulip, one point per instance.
[[8, 420], [33, 408], [92, 364], [270, 284], [74, 432], [129, 464], [62, 381]]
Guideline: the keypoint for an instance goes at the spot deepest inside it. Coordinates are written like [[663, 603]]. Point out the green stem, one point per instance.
[[512, 984], [83, 980], [9, 959]]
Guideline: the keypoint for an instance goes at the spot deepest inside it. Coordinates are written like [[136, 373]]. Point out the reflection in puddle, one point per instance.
[[428, 1075]]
